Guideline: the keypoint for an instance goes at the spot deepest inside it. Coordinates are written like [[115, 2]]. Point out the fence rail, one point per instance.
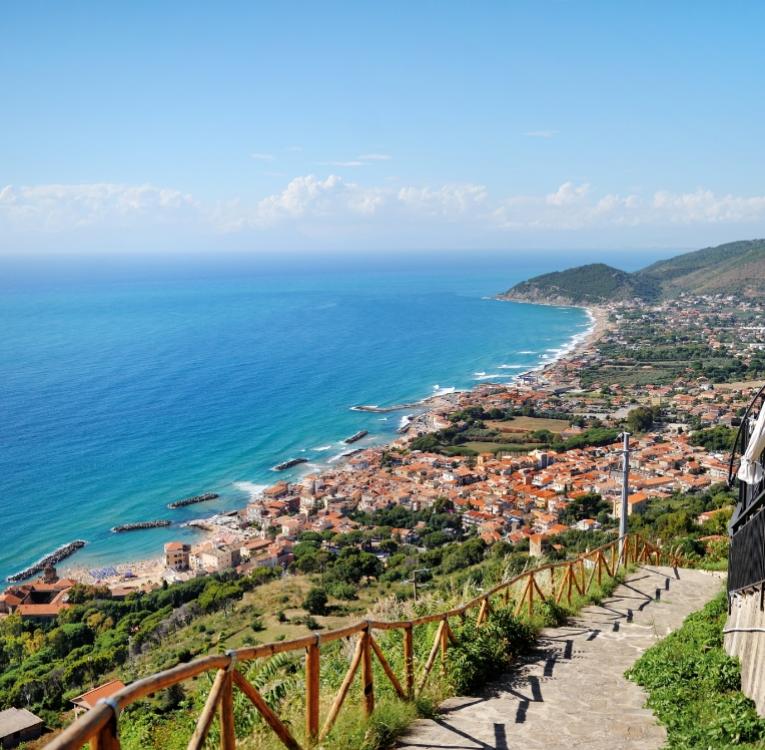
[[99, 726]]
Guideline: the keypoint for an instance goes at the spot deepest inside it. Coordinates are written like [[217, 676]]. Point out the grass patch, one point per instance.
[[528, 424], [694, 687], [486, 447]]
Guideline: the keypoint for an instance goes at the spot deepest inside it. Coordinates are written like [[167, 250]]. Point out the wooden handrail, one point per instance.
[[98, 726]]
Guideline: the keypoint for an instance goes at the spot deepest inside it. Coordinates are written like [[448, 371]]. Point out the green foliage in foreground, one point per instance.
[[43, 665], [483, 651], [694, 686]]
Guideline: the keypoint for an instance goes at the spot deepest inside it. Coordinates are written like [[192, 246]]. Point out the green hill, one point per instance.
[[593, 283], [736, 267], [733, 268]]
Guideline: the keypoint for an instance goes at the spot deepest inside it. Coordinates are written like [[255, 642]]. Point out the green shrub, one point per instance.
[[482, 652], [257, 624], [340, 590], [316, 601], [552, 614], [694, 686]]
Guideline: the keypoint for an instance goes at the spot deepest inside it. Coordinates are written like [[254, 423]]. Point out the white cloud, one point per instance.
[[60, 207], [573, 206], [448, 201], [568, 194], [706, 207], [329, 206], [262, 157], [310, 196]]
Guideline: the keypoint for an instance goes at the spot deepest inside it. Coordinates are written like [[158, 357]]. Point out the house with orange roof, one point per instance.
[[636, 503], [88, 700]]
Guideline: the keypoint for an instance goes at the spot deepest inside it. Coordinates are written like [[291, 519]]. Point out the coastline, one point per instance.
[[144, 571]]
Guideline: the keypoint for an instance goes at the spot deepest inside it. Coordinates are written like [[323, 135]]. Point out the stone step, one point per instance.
[[571, 691]]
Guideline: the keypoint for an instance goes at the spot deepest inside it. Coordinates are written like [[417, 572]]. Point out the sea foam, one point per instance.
[[251, 488]]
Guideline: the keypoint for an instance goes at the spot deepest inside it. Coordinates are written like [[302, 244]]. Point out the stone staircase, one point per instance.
[[571, 691]]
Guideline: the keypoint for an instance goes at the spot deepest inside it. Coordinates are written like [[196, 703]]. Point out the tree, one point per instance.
[[586, 506], [640, 419], [461, 556], [352, 565], [316, 601], [717, 439]]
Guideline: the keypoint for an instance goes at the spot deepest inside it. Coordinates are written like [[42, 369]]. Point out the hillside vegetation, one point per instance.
[[736, 267], [332, 582]]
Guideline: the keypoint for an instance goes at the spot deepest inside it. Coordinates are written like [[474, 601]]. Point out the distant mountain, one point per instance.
[[737, 267], [593, 283]]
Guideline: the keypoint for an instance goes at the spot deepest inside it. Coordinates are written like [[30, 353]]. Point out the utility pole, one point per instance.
[[625, 490]]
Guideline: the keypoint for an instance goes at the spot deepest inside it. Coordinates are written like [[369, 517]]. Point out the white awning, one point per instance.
[[750, 470]]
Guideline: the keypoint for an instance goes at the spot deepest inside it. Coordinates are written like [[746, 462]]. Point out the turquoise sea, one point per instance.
[[125, 387]]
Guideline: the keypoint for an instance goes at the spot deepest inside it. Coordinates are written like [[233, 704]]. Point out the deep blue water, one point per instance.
[[122, 392]]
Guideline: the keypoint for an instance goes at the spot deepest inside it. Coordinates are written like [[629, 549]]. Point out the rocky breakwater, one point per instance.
[[139, 525], [289, 463], [356, 436], [52, 559], [193, 500]]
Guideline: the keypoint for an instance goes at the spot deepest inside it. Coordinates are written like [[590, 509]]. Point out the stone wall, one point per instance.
[[749, 647]]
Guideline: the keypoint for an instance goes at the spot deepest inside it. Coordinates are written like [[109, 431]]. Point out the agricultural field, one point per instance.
[[528, 424], [487, 447]]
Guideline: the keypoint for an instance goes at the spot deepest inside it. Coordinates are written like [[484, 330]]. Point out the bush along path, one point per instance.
[[359, 686], [570, 691], [695, 687]]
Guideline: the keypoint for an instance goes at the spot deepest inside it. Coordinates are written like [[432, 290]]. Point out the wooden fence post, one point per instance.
[[367, 677], [409, 659], [532, 583], [107, 738], [444, 644], [312, 671], [570, 577], [600, 568], [227, 733]]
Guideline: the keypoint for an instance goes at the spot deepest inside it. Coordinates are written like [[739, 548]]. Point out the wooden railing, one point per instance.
[[564, 579]]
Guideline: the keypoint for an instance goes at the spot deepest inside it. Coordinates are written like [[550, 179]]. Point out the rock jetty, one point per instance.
[[356, 436], [290, 463], [139, 525], [193, 500], [384, 409], [52, 559]]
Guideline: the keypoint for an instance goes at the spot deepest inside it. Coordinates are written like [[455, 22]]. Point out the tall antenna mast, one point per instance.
[[625, 491]]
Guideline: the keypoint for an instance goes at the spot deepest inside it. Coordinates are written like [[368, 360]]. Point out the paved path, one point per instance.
[[571, 692]]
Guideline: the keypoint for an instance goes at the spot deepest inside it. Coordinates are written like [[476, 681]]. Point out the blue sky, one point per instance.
[[358, 126]]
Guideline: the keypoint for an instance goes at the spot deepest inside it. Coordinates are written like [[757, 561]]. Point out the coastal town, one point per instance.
[[569, 414], [382, 376]]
